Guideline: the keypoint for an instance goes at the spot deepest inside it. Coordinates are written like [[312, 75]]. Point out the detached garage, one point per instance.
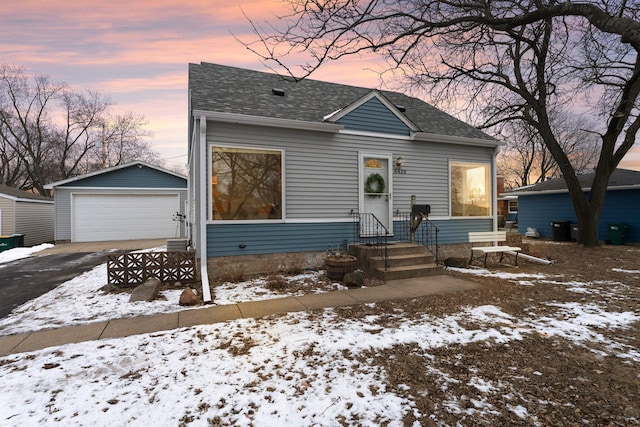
[[128, 202]]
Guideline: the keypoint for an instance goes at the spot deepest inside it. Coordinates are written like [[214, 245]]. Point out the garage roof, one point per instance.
[[621, 179], [115, 176]]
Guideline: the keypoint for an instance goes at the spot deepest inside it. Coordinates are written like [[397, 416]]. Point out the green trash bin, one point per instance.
[[617, 233], [18, 240], [6, 243]]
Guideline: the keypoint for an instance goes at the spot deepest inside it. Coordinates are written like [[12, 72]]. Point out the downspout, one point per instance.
[[202, 197], [494, 187]]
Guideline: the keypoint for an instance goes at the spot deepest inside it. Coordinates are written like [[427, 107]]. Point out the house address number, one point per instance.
[[399, 171]]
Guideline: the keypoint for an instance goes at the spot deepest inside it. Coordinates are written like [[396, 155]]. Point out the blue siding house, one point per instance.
[[542, 204], [280, 166], [126, 202]]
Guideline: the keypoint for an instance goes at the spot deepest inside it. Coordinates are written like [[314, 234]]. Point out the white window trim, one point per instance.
[[489, 190], [210, 186]]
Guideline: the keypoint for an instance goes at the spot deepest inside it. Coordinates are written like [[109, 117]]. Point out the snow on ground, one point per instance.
[[19, 253], [79, 301], [293, 369]]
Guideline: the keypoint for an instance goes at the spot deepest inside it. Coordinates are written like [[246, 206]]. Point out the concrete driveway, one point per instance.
[[28, 278]]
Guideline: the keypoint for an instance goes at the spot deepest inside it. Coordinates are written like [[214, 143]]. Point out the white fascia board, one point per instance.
[[268, 121], [22, 199], [564, 190], [34, 201], [374, 134], [128, 189], [459, 140]]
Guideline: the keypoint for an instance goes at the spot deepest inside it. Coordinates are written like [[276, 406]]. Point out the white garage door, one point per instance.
[[100, 217]]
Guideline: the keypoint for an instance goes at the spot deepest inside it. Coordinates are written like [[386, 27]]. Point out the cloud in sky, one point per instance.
[[136, 52]]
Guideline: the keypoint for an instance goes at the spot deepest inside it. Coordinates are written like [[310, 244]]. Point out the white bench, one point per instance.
[[490, 236]]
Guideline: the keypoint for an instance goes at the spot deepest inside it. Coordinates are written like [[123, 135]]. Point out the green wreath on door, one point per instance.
[[374, 186]]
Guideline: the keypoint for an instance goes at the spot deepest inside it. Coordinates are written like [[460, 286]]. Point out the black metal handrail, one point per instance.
[[426, 233], [369, 230]]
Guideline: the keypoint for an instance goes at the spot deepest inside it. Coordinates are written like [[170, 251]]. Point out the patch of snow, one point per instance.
[[19, 253], [622, 270]]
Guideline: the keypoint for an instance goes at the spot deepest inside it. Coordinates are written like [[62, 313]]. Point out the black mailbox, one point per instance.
[[417, 213], [420, 209]]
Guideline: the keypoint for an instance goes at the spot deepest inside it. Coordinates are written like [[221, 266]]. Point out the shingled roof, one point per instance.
[[620, 179], [15, 194], [220, 88]]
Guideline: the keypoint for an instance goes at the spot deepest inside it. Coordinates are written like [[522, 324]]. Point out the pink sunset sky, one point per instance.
[[136, 53]]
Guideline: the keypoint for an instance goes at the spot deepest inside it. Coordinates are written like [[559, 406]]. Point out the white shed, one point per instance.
[[26, 213]]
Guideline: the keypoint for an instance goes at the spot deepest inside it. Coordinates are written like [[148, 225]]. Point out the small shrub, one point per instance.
[[232, 272], [276, 282], [294, 263]]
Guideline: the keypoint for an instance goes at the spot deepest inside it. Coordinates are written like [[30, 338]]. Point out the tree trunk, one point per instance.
[[588, 208], [588, 226]]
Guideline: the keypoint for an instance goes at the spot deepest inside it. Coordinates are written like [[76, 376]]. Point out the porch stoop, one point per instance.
[[406, 260]]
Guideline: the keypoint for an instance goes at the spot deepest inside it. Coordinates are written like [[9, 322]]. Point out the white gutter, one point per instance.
[[450, 139], [268, 121], [204, 274]]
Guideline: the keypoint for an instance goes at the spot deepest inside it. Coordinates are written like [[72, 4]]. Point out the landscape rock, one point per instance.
[[148, 291], [353, 279], [188, 297], [456, 262]]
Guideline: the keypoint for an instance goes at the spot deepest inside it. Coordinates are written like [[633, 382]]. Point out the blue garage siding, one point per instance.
[[538, 211], [132, 177]]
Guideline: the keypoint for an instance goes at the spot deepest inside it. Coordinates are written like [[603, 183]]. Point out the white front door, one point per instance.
[[376, 188]]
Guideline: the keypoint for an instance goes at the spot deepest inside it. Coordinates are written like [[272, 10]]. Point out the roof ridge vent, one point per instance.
[[277, 91]]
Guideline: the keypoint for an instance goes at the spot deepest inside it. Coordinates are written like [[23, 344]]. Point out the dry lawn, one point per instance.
[[557, 381]]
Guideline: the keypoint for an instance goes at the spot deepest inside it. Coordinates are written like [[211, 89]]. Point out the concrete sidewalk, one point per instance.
[[118, 328]]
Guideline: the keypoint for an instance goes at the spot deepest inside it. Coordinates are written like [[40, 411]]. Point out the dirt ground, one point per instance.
[[556, 381]]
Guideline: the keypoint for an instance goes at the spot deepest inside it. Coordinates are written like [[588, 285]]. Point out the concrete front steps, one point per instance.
[[406, 260]]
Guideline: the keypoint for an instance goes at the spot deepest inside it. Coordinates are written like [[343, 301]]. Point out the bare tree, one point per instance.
[[526, 159], [120, 139], [48, 131], [512, 59]]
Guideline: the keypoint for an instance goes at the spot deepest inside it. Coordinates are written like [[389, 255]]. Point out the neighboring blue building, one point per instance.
[[279, 166], [126, 202], [541, 204]]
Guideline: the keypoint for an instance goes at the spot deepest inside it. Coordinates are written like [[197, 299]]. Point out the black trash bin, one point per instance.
[[18, 240], [575, 232], [561, 231]]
